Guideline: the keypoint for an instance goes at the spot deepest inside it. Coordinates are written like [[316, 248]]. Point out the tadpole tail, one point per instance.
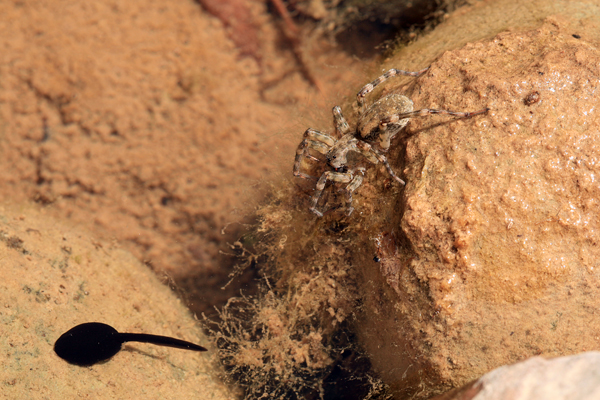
[[160, 340]]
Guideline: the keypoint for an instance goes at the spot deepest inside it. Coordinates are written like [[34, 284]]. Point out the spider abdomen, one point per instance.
[[369, 127]]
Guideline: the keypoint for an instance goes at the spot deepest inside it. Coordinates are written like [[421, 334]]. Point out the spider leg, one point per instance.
[[315, 140], [352, 186], [427, 111], [340, 123], [368, 88], [375, 157], [344, 177]]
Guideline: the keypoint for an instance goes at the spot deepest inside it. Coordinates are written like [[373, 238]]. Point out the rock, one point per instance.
[[563, 378], [490, 254], [55, 277]]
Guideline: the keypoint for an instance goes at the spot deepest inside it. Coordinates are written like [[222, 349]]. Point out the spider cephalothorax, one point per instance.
[[378, 123]]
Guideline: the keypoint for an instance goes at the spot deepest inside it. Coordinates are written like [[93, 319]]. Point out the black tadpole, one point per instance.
[[92, 342]]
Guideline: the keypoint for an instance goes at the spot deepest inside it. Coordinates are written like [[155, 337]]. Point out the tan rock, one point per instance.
[[55, 277], [562, 378], [490, 255]]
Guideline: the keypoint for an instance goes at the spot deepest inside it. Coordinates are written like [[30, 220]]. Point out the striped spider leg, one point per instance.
[[387, 116]]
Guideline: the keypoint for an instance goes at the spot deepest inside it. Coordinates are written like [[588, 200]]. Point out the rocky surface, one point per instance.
[[562, 378], [142, 121], [489, 256], [55, 277]]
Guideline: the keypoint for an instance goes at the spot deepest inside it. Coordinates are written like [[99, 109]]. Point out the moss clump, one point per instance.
[[293, 339]]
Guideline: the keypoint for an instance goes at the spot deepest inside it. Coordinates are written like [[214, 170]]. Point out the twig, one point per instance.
[[292, 33]]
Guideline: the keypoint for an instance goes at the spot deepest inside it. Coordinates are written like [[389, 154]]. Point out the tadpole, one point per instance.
[[92, 342]]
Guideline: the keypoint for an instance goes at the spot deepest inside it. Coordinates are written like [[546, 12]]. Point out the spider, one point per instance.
[[380, 122]]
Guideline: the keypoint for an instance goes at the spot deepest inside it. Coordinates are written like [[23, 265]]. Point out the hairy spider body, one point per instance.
[[336, 153], [369, 124], [378, 123]]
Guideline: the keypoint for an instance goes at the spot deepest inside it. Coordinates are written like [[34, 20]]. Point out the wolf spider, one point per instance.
[[381, 121]]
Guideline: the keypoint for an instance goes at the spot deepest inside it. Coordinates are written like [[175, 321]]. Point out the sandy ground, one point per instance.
[[55, 277], [143, 122]]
